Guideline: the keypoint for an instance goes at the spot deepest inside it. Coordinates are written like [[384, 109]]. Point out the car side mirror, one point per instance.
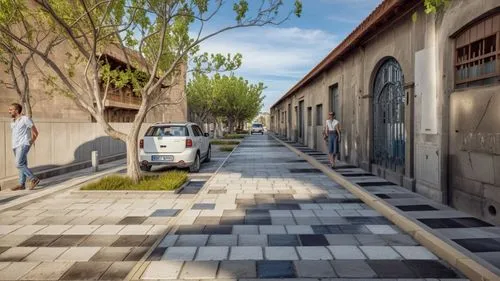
[[206, 135]]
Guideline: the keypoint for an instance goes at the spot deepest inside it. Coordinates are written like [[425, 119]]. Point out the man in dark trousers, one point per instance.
[[24, 134]]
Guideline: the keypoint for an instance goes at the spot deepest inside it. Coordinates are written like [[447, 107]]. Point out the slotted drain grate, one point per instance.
[[375, 183]]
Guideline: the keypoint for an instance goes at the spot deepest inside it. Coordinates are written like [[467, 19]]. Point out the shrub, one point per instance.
[[167, 181], [227, 148], [224, 142]]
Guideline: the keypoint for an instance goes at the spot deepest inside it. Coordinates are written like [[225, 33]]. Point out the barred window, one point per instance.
[[319, 115], [477, 53]]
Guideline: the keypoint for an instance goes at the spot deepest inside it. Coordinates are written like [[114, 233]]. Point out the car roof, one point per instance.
[[174, 124]]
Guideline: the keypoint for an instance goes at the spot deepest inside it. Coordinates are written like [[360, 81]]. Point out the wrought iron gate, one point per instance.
[[389, 117]]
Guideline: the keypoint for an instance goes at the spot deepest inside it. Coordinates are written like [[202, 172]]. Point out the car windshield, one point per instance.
[[257, 125], [167, 131]]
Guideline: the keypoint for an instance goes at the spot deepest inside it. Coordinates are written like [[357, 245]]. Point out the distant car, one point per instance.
[[181, 145], [257, 128]]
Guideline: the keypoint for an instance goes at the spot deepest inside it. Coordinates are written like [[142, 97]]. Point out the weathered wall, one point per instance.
[[473, 123], [457, 160], [60, 144]]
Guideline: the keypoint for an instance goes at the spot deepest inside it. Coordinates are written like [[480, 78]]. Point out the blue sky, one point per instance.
[[279, 56]]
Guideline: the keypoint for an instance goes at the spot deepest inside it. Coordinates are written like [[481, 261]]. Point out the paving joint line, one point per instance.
[[439, 246]]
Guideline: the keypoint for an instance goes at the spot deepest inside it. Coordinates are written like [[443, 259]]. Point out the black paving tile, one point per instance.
[[354, 229], [313, 240], [68, 241], [430, 269], [118, 271], [257, 212], [472, 222], [340, 167], [218, 229], [288, 206], [352, 175], [275, 269], [479, 245], [196, 184], [190, 229], [334, 229], [136, 254], [320, 229], [410, 208], [156, 254], [441, 223], [383, 196], [3, 249], [149, 241], [304, 171], [231, 220], [391, 269], [258, 220], [375, 183], [86, 271], [132, 220], [283, 240], [129, 241], [165, 213], [39, 241], [203, 206], [111, 254]]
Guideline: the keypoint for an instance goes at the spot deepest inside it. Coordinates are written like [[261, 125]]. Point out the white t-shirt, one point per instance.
[[21, 131], [331, 125]]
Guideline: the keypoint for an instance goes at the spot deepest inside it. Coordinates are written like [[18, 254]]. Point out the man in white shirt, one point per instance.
[[24, 134]]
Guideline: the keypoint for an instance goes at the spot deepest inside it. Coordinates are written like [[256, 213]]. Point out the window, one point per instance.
[[196, 131], [477, 53], [309, 116], [319, 115], [167, 131]]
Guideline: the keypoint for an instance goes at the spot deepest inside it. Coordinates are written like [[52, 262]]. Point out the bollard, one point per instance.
[[95, 161]]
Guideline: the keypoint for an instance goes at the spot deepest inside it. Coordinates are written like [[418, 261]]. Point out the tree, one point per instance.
[[200, 98], [157, 30], [17, 59], [237, 100], [432, 6]]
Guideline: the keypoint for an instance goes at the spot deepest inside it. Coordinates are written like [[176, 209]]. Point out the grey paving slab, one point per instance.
[[314, 269], [48, 271], [252, 240], [237, 269], [353, 269], [15, 270], [16, 254], [212, 253], [280, 253], [415, 252], [45, 254], [380, 252], [246, 253], [314, 253], [222, 240], [86, 271], [199, 270], [157, 270], [191, 240], [118, 271], [346, 253], [180, 253]]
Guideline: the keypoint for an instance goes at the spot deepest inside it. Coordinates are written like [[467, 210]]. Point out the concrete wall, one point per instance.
[[452, 137], [60, 144]]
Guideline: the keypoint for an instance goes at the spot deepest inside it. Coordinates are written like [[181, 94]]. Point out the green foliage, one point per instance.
[[234, 136], [224, 142], [432, 6], [227, 148], [167, 181]]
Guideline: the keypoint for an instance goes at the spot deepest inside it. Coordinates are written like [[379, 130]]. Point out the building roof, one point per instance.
[[381, 16]]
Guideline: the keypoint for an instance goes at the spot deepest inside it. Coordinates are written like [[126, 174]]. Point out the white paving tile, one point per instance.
[[415, 252], [380, 253]]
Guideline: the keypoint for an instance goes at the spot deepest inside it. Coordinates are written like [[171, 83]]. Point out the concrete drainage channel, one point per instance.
[[466, 264]]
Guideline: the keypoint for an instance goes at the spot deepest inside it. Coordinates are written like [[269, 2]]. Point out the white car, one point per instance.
[[257, 129], [181, 145]]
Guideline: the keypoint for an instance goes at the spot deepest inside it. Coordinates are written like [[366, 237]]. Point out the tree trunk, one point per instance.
[[133, 168]]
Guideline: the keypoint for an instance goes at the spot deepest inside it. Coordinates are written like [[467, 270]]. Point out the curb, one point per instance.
[[469, 267], [59, 187], [141, 266]]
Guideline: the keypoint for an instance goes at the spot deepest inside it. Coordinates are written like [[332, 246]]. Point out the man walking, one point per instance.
[[24, 134]]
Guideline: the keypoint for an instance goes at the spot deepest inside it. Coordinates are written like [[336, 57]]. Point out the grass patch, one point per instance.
[[224, 142], [167, 181], [227, 148], [234, 136]]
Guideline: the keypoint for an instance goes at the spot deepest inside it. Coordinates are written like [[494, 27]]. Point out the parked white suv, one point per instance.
[[180, 145]]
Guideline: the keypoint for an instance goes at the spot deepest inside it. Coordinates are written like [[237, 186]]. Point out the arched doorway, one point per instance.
[[388, 117]]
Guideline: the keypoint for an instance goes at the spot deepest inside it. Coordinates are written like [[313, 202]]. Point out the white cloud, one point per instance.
[[279, 57]]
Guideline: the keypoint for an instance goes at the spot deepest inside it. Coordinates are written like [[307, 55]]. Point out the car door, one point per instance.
[[196, 137], [203, 142]]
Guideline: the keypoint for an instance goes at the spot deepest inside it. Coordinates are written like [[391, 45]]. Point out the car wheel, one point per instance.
[[209, 154], [146, 168], [195, 168]]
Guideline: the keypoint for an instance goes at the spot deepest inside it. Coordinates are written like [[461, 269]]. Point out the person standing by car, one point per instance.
[[24, 134], [331, 133]]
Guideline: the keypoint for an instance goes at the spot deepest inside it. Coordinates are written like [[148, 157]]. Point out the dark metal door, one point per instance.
[[388, 117], [301, 121]]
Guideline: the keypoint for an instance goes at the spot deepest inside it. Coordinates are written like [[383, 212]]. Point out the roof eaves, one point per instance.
[[348, 43]]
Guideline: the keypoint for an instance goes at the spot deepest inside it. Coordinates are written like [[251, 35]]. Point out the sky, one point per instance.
[[279, 56]]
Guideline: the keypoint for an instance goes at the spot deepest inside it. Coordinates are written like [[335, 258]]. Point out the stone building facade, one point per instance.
[[418, 99]]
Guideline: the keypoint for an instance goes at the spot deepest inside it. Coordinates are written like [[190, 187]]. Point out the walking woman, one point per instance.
[[331, 134]]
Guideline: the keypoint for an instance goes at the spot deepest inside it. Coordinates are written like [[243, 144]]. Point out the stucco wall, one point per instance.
[[458, 162]]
